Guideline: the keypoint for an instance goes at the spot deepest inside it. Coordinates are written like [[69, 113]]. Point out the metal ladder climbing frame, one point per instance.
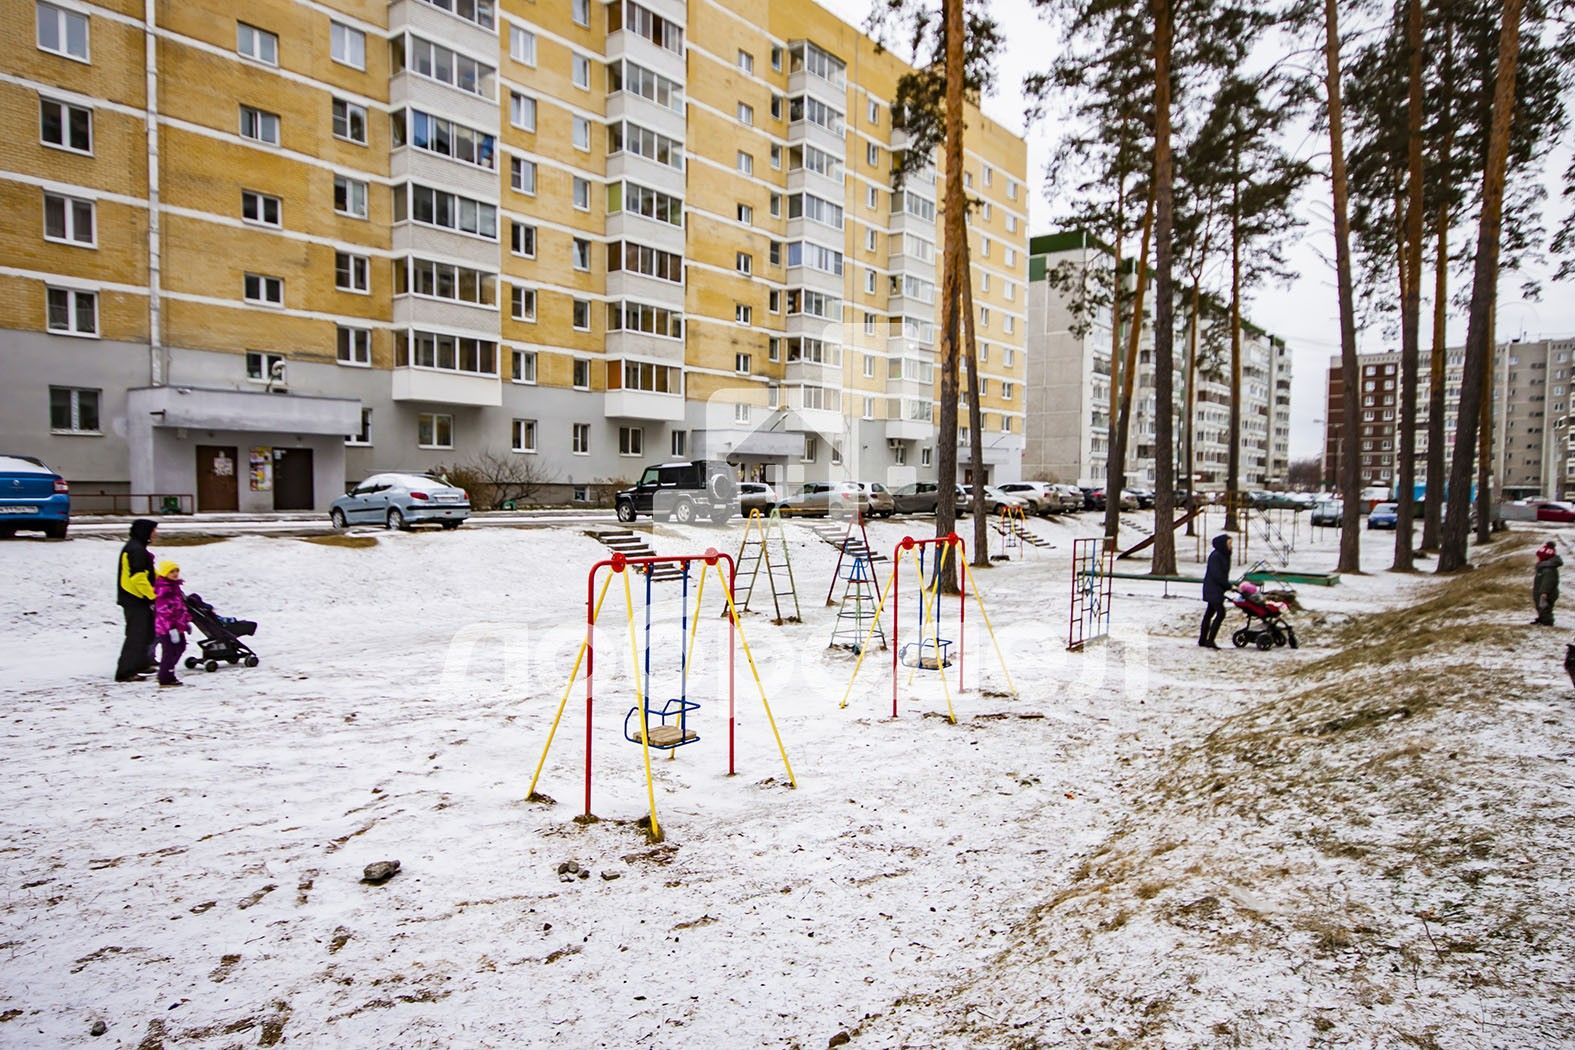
[[857, 622], [849, 546], [755, 551]]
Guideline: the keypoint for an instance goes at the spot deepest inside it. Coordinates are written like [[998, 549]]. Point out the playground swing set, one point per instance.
[[932, 653], [664, 727]]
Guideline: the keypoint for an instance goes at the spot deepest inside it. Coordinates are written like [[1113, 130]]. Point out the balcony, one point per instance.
[[647, 172], [816, 280], [623, 105], [446, 388], [624, 44], [632, 226], [806, 83], [802, 180], [644, 404], [909, 429], [806, 133]]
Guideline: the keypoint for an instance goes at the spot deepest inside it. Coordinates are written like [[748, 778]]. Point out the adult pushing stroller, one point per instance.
[[221, 637], [1266, 626]]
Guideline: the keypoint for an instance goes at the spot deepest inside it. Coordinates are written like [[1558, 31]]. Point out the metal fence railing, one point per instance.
[[147, 503]]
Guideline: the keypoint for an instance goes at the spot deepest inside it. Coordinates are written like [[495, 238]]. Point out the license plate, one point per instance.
[[448, 499], [18, 510]]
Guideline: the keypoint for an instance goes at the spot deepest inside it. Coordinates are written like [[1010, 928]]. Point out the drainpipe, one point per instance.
[[156, 364]]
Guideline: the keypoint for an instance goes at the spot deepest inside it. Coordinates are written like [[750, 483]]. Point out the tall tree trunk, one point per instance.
[[1116, 462], [1192, 396], [981, 537], [1350, 462], [1484, 289], [1411, 303], [1433, 504], [1233, 453], [1485, 471], [1116, 343], [1164, 562], [955, 235]]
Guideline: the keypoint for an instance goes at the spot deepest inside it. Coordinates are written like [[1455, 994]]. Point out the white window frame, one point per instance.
[[582, 134], [517, 358], [522, 305], [259, 36], [262, 200], [75, 401], [364, 438], [746, 61], [350, 111], [580, 254], [359, 341], [745, 162], [580, 11], [350, 188], [579, 363], [343, 44], [436, 441], [741, 412], [746, 114], [580, 72], [261, 118], [359, 273], [581, 193], [265, 364], [742, 362], [263, 283], [68, 205], [62, 18], [522, 110], [522, 436], [580, 439], [522, 226], [66, 109], [631, 441], [575, 305], [522, 46], [73, 311], [522, 176], [743, 314]]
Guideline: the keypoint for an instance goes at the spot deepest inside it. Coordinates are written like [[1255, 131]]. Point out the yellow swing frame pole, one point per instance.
[[574, 674], [996, 642], [639, 699], [750, 657], [879, 607]]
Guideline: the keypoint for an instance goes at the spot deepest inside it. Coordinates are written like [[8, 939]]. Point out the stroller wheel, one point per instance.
[[251, 661], [1265, 641], [1240, 638], [1290, 637], [211, 665], [1279, 637], [191, 663]]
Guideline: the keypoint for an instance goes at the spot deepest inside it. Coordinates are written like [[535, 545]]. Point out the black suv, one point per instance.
[[683, 491]]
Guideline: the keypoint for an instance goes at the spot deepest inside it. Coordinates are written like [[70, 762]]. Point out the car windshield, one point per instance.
[[1384, 508], [17, 465], [416, 481]]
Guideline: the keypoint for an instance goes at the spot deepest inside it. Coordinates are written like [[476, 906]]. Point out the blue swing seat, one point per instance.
[[930, 654], [665, 735]]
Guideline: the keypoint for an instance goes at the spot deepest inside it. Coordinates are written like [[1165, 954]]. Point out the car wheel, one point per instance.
[[337, 518], [626, 512], [449, 526], [720, 517], [7, 531], [55, 530], [396, 520], [684, 512]]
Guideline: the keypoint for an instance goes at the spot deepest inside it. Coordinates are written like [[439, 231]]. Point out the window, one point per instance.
[[73, 411], [776, 205], [1006, 390], [631, 441], [349, 196], [580, 11], [522, 306], [65, 126], [260, 208], [871, 154], [365, 436], [351, 273], [776, 59], [627, 76], [522, 175], [522, 45], [836, 453], [444, 137], [741, 363], [438, 63], [627, 196], [741, 412], [776, 253], [776, 156], [774, 301], [643, 317], [869, 240], [679, 442], [746, 61], [643, 22], [746, 215], [581, 439], [441, 280], [743, 314], [809, 206], [434, 430], [446, 353], [745, 162], [62, 32], [522, 239], [869, 408], [743, 262], [582, 323], [263, 127], [524, 362], [523, 435], [260, 289], [354, 346], [653, 262], [581, 253], [477, 11], [69, 220], [258, 44], [647, 143], [869, 282], [925, 454], [774, 349], [776, 107], [869, 366], [811, 448], [349, 121], [1011, 189], [1011, 324], [869, 324], [582, 72], [804, 107], [522, 111], [261, 367], [746, 114], [582, 194], [582, 134], [346, 45]]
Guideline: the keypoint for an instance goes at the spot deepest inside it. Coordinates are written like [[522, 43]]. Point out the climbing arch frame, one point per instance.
[[930, 600], [619, 566]]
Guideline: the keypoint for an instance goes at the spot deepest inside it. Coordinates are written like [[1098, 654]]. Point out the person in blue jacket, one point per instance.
[[1216, 581]]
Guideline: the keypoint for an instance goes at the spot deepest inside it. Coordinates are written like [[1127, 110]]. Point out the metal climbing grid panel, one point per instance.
[[1093, 561]]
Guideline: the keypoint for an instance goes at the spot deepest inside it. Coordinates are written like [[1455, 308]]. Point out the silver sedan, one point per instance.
[[398, 501]]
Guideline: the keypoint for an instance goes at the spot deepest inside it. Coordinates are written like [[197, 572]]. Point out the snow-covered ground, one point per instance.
[[185, 865]]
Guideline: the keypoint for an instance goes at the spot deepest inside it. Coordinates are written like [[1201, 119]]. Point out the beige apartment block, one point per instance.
[[257, 252]]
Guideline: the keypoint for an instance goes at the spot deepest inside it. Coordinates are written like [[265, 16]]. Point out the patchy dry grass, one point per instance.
[[186, 539], [339, 539]]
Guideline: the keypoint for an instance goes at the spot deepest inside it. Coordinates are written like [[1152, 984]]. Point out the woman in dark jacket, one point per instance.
[[1216, 581], [134, 593]]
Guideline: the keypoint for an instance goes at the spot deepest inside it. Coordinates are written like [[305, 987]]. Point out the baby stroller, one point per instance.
[[1266, 626], [221, 639]]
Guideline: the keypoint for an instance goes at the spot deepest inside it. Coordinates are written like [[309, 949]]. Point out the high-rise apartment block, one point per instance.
[[256, 251]]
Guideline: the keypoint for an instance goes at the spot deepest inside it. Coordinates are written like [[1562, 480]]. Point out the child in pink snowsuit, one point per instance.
[[171, 621]]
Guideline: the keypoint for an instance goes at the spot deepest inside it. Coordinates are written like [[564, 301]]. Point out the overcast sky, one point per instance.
[[1306, 313]]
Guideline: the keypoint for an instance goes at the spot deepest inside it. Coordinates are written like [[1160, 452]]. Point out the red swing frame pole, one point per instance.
[[621, 563], [908, 543]]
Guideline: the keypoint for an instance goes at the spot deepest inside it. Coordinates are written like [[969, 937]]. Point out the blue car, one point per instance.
[[1383, 516], [32, 497]]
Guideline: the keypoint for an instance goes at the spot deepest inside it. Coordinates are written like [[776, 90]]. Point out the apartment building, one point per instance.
[[1531, 393], [1069, 353], [257, 253]]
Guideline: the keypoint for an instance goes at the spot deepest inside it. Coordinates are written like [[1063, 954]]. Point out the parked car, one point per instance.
[[683, 491], [33, 497], [879, 498], [398, 501], [1093, 498], [1556, 510], [1071, 497], [1129, 500], [1329, 512], [820, 499], [918, 498], [755, 495], [1145, 498], [1041, 496], [994, 500], [1383, 516]]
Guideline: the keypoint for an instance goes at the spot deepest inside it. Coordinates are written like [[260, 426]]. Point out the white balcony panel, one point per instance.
[[625, 105], [443, 100], [434, 242], [431, 169], [802, 180], [909, 429], [912, 264], [646, 172], [816, 421], [913, 389], [804, 277], [906, 222], [446, 388], [817, 328], [813, 373], [998, 447], [441, 27], [908, 306], [802, 132], [629, 226], [647, 347], [644, 404], [745, 443], [806, 83], [443, 315], [624, 44], [623, 284]]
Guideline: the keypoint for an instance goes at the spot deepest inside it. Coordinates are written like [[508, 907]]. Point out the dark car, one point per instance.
[[1145, 498], [1093, 497], [918, 498], [32, 497], [1329, 513], [1383, 516], [683, 491]]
